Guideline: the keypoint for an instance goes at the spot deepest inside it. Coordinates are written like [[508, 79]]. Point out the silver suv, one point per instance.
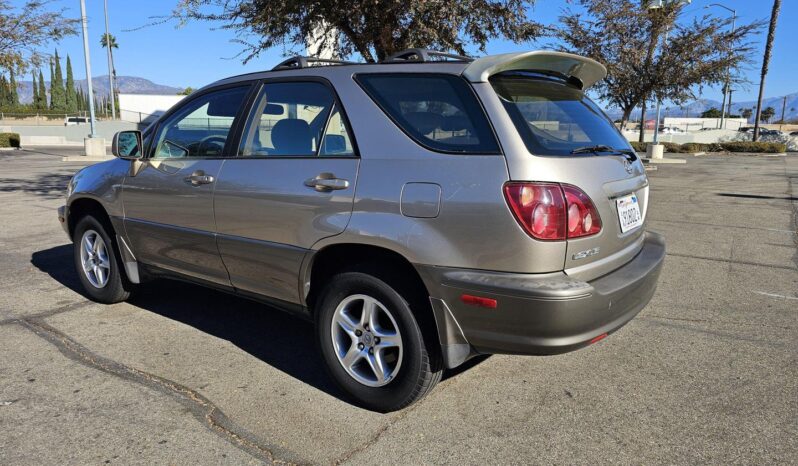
[[420, 211]]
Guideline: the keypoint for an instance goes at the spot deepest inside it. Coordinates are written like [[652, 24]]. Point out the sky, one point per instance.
[[200, 53]]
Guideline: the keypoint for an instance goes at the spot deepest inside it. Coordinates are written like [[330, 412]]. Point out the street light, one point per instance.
[[727, 85], [655, 5], [84, 23]]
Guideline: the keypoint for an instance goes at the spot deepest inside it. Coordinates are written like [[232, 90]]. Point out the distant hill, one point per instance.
[[124, 84], [695, 108]]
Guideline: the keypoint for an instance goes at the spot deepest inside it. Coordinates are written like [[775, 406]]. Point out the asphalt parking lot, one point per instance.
[[707, 373]]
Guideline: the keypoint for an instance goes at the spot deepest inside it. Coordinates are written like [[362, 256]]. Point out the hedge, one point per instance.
[[732, 146], [9, 140]]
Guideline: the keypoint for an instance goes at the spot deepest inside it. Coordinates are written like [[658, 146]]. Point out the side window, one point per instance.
[[438, 111], [290, 119], [336, 142], [201, 127]]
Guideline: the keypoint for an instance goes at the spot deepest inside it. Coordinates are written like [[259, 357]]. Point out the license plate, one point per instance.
[[629, 212]]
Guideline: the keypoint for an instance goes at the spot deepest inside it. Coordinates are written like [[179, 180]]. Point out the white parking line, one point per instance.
[[774, 295]]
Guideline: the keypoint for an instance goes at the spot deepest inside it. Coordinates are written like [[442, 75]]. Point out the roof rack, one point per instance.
[[424, 55], [305, 62]]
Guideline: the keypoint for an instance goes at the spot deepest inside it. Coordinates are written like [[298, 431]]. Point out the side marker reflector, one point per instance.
[[598, 338], [479, 301]]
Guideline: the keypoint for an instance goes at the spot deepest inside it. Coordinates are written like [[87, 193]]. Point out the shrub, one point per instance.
[[638, 146], [9, 140], [750, 146]]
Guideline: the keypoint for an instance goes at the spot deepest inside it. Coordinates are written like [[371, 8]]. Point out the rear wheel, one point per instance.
[[371, 343], [97, 263]]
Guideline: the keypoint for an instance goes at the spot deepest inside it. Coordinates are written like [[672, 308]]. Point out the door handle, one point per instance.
[[199, 178], [325, 182]]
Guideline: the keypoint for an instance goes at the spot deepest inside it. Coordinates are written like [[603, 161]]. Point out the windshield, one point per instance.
[[556, 119]]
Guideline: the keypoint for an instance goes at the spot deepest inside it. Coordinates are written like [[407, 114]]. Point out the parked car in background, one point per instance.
[[746, 129], [794, 133], [420, 211], [72, 121], [671, 130]]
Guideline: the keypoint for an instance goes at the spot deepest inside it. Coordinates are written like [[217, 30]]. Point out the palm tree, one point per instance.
[[774, 18], [105, 41]]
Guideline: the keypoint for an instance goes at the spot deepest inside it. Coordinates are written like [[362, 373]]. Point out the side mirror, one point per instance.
[[127, 145]]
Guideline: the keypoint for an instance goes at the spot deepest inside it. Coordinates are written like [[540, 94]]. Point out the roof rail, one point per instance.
[[424, 55], [305, 62]]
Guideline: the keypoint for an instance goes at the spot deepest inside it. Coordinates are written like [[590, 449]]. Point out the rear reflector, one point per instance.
[[552, 212], [479, 301], [598, 338]]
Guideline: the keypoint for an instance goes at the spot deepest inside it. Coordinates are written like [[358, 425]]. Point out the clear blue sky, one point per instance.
[[196, 54]]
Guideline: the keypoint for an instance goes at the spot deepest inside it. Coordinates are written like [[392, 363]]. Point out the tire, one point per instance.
[[410, 370], [102, 277]]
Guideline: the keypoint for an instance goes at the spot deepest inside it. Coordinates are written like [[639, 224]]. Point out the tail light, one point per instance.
[[550, 211]]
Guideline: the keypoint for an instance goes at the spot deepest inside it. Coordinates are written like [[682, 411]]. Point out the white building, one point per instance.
[[144, 108]]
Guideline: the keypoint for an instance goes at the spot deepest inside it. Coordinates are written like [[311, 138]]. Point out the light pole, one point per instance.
[[110, 66], [84, 22], [727, 85], [655, 5]]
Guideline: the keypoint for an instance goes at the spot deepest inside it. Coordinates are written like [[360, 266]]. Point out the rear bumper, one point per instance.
[[539, 314]]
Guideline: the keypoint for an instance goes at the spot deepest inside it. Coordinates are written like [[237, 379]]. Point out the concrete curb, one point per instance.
[[86, 158], [663, 161]]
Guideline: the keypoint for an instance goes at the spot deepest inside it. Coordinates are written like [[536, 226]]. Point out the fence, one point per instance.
[[47, 118]]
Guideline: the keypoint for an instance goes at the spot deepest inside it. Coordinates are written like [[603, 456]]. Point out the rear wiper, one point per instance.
[[630, 156], [594, 149]]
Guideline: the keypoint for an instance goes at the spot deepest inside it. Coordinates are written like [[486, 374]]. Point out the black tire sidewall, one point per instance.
[[415, 363], [114, 291]]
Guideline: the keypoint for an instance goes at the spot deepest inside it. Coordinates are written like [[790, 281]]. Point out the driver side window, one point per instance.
[[200, 128]]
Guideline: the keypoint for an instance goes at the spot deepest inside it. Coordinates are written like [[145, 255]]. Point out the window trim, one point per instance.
[[231, 136], [376, 100], [296, 79]]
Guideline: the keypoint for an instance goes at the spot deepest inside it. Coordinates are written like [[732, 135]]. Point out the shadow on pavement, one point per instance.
[[50, 186], [285, 342]]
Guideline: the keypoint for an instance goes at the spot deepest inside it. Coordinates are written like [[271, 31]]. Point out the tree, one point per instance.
[[57, 92], [71, 99], [711, 113], [42, 93], [13, 93], [767, 114], [624, 34], [35, 104], [109, 40], [774, 18], [5, 94], [746, 113], [372, 29], [186, 91], [24, 30]]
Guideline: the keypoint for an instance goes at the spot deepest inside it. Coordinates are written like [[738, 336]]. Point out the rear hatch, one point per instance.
[[567, 139]]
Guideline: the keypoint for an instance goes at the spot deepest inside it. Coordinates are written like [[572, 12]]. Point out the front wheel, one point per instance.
[[97, 263], [372, 345]]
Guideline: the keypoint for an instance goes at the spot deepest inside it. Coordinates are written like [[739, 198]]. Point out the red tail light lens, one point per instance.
[[583, 218], [551, 212]]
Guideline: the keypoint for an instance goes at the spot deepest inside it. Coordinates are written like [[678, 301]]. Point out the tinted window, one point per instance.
[[200, 128], [290, 119], [554, 118], [440, 112]]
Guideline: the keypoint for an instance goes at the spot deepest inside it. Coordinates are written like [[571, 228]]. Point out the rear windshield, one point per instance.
[[438, 111], [554, 118]]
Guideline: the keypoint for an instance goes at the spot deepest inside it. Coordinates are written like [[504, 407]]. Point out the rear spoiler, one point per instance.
[[586, 70]]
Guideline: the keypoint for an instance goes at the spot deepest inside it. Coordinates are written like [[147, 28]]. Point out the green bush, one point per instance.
[[638, 146], [750, 146], [9, 140]]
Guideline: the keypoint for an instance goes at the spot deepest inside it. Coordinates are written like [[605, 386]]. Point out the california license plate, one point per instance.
[[629, 212]]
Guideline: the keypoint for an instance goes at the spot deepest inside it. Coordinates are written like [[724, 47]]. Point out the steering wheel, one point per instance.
[[211, 145]]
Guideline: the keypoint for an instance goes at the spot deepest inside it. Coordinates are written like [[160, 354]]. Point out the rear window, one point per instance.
[[438, 111], [554, 118]]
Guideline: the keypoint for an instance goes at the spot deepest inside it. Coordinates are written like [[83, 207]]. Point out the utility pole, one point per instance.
[[85, 24], [110, 65], [783, 109]]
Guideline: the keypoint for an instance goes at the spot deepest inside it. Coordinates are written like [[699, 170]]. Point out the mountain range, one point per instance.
[[696, 107], [136, 85], [101, 87]]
